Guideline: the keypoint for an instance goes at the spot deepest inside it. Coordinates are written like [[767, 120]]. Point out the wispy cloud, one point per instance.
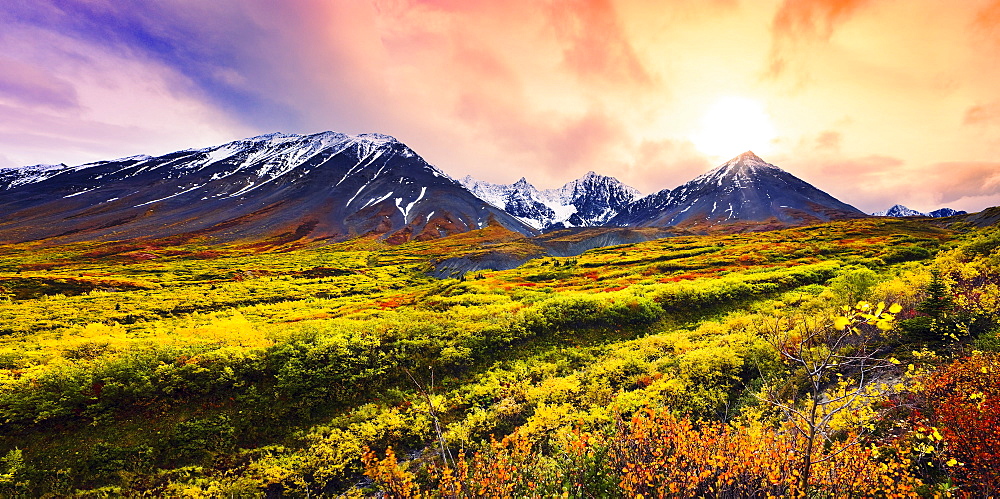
[[31, 85]]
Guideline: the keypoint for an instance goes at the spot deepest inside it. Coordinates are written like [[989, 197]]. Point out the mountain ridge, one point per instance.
[[324, 186]]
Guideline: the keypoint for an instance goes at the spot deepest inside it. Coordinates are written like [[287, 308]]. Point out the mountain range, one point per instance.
[[899, 210], [331, 187], [744, 189]]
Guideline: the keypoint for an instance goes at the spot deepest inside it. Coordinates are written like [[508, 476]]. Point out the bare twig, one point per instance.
[[445, 452]]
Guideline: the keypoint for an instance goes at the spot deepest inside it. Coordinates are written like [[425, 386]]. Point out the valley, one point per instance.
[[195, 368]]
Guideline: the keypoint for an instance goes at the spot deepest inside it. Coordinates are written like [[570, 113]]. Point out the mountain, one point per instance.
[[519, 199], [328, 186], [745, 192], [945, 212], [899, 210], [589, 201]]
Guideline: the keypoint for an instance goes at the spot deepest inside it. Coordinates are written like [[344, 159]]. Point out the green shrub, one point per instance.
[[854, 284], [906, 254], [198, 438]]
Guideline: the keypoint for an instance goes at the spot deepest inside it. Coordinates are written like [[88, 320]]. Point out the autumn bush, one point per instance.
[[963, 399], [657, 454]]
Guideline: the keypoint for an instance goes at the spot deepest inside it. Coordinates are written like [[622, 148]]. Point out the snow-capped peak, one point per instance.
[[14, 176], [746, 162], [376, 138], [322, 139], [745, 188], [272, 137], [899, 210], [737, 171], [750, 157], [36, 168], [588, 201], [523, 184]]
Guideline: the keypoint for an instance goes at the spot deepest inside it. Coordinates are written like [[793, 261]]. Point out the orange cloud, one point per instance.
[[798, 22], [983, 115], [987, 19], [829, 141], [666, 164], [813, 18], [596, 46]]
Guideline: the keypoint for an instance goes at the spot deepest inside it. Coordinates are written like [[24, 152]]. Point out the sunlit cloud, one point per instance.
[[862, 98]]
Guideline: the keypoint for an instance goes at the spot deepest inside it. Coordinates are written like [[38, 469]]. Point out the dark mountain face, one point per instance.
[[744, 189], [323, 186], [945, 212]]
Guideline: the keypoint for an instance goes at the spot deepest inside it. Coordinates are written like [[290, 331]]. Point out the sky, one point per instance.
[[875, 101]]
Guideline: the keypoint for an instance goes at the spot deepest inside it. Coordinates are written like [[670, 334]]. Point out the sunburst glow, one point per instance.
[[734, 125]]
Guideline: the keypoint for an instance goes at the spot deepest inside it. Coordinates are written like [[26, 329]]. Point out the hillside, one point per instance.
[[170, 368]]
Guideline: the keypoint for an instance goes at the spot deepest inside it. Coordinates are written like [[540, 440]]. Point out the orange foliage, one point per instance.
[[394, 480], [665, 456], [659, 455], [394, 302]]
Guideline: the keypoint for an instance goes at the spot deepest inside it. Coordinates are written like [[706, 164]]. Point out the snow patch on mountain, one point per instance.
[[11, 177]]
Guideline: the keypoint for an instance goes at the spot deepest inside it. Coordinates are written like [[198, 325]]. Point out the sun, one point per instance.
[[734, 125]]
